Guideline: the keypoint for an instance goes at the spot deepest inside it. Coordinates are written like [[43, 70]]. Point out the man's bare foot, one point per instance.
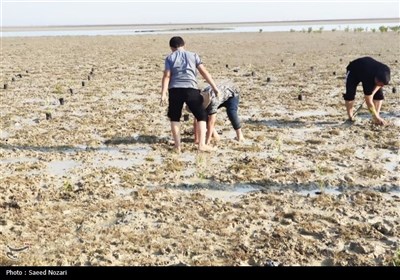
[[240, 139], [177, 150], [207, 148], [379, 122]]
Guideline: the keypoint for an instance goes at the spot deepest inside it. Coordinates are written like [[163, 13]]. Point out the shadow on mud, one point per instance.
[[141, 139], [278, 123], [148, 139]]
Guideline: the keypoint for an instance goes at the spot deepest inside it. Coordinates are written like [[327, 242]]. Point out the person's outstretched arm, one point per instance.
[[203, 71]]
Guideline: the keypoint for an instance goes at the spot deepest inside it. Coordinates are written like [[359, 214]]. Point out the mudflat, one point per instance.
[[97, 183]]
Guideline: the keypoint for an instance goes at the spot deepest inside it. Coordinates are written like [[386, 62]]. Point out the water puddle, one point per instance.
[[234, 193], [214, 190], [231, 195], [121, 157], [22, 122], [79, 114], [33, 101], [382, 157], [4, 134], [61, 167], [120, 163], [123, 191]]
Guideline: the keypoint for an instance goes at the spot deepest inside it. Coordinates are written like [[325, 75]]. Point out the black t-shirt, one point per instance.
[[366, 69]]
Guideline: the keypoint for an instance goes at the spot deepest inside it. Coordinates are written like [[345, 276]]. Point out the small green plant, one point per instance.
[[149, 159], [174, 165], [395, 28], [201, 175], [278, 150], [201, 166], [67, 186], [309, 30], [278, 144], [383, 28], [396, 258], [58, 89]]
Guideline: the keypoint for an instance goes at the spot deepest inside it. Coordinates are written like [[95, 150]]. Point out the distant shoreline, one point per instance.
[[194, 25]]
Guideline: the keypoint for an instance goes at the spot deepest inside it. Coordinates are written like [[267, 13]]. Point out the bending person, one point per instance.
[[228, 97], [373, 75]]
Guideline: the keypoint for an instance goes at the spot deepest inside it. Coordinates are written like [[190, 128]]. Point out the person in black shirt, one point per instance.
[[373, 75]]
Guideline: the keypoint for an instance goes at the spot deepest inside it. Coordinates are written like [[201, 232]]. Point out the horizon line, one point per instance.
[[355, 20]]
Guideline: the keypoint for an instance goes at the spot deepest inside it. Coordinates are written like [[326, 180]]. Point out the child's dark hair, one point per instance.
[[176, 42]]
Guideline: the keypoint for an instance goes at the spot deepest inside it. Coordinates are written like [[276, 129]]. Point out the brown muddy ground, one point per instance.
[[98, 183]]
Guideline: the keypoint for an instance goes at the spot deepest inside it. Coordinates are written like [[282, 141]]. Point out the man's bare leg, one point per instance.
[[378, 105], [176, 134], [349, 108], [210, 127], [196, 132], [202, 128]]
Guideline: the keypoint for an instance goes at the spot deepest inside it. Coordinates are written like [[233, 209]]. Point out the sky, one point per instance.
[[91, 12]]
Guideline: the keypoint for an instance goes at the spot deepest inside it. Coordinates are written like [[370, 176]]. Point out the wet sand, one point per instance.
[[98, 184]]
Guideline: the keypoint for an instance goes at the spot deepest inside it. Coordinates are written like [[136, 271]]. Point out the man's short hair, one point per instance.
[[176, 42]]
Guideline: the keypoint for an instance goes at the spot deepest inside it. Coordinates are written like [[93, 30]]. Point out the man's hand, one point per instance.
[[216, 94], [164, 100]]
